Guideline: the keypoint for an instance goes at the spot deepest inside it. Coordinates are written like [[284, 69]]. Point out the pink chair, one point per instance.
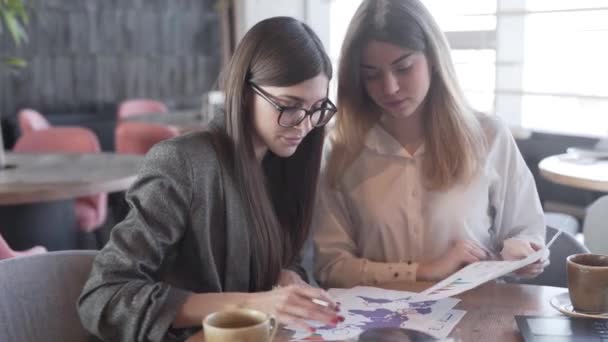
[[132, 137], [135, 107], [91, 211], [31, 120], [6, 251]]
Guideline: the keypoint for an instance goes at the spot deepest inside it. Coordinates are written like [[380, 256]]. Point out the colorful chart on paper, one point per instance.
[[480, 272], [368, 307]]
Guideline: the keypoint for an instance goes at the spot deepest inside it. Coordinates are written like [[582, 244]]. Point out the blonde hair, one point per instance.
[[454, 139]]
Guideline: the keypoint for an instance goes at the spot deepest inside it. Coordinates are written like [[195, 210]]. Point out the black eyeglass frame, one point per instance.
[[324, 107]]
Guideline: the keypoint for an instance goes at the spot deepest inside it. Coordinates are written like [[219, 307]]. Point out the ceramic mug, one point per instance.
[[588, 282], [239, 325]]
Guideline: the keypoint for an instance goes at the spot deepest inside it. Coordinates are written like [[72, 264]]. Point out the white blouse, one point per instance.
[[382, 222]]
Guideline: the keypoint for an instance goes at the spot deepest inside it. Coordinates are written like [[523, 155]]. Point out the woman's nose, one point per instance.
[[305, 125], [390, 83]]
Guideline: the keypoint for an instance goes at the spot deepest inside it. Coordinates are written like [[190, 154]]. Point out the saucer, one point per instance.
[[562, 303], [587, 153]]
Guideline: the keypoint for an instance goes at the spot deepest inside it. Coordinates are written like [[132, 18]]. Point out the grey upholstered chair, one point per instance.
[[38, 296], [595, 227], [555, 274]]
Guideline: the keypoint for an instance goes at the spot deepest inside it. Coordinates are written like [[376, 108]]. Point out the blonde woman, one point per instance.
[[416, 184]]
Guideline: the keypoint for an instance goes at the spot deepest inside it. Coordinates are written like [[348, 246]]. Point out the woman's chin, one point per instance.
[[401, 113], [284, 151]]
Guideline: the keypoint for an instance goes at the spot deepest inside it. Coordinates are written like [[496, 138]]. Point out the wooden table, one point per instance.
[[490, 310], [47, 177], [583, 173], [37, 193], [184, 120]]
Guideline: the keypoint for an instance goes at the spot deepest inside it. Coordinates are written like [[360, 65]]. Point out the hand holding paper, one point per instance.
[[462, 253], [515, 249], [478, 273]]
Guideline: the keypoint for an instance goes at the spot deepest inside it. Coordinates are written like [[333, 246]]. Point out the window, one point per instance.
[[565, 73], [470, 26]]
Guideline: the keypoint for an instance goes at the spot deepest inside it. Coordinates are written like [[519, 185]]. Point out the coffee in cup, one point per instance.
[[588, 282], [239, 325]]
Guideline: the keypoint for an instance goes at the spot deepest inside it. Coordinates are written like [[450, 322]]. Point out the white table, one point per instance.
[[583, 173]]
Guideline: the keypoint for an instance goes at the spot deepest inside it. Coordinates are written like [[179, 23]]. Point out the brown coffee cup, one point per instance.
[[588, 282], [239, 325]]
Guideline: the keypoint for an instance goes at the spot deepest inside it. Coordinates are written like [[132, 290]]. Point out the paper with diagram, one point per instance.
[[369, 307], [480, 272]]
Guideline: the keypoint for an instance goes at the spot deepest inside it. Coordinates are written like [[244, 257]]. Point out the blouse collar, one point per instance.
[[380, 141]]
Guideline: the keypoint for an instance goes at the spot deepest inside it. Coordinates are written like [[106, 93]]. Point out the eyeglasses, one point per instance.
[[293, 116]]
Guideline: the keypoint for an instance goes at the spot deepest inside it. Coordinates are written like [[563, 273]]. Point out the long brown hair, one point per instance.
[[454, 140], [279, 194]]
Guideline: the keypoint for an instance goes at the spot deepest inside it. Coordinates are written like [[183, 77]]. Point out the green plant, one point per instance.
[[14, 19]]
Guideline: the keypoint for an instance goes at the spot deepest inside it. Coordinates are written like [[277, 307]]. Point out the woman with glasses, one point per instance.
[[417, 185], [217, 219]]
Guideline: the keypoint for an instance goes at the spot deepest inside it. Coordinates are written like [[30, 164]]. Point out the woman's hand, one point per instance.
[[295, 305], [515, 249], [288, 277], [462, 253]]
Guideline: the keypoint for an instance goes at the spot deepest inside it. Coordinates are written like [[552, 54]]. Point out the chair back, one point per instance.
[[564, 222], [134, 107], [39, 294], [134, 137], [59, 139], [555, 274], [91, 211], [7, 252], [595, 226], [31, 120]]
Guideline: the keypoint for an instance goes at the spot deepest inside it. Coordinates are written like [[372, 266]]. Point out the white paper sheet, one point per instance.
[[478, 273], [369, 307]]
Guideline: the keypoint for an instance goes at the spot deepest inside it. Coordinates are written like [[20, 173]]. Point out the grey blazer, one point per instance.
[[185, 233]]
